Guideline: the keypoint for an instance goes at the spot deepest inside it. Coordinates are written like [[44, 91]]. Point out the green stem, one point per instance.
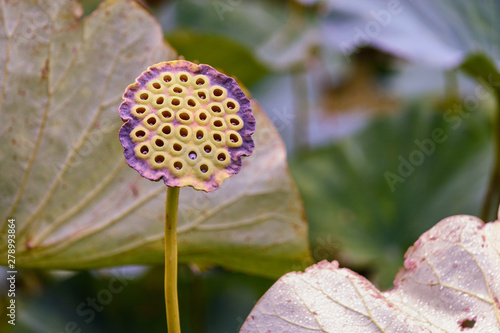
[[301, 101], [171, 301], [451, 85], [492, 198]]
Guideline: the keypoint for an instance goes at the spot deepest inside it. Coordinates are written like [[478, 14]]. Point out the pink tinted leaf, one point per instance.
[[450, 283]]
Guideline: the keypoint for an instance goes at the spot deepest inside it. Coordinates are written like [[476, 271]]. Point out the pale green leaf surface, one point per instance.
[[63, 175], [450, 283]]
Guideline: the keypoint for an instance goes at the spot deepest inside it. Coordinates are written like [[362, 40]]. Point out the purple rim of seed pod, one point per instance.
[[131, 122]]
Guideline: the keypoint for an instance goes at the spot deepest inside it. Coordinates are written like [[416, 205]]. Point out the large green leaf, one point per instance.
[[63, 174], [369, 196]]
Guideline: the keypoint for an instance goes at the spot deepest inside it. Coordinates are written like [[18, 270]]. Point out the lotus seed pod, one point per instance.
[[187, 124]]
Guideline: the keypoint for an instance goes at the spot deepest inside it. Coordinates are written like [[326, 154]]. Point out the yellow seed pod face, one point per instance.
[[158, 143], [218, 93], [177, 90], [207, 149], [231, 106], [140, 111], [193, 155], [177, 148], [216, 109], [159, 101], [234, 122], [218, 124], [167, 78], [222, 158], [184, 116], [143, 150], [156, 86], [158, 160], [202, 95], [200, 82], [200, 135], [184, 78], [183, 133], [139, 134], [233, 139], [151, 122], [202, 117], [187, 124], [166, 115], [175, 102], [166, 130], [143, 96]]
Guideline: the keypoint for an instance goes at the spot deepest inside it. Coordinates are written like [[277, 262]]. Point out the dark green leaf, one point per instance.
[[220, 52], [370, 196]]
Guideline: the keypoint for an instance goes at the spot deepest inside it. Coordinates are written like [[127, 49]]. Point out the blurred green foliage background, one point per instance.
[[357, 91]]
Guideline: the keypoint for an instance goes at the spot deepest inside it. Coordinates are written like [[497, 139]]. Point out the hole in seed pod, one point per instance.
[[233, 138], [167, 114], [160, 100], [151, 121], [177, 90], [184, 116], [140, 110], [204, 168], [167, 78], [144, 150], [183, 78], [177, 147], [191, 103], [203, 116], [217, 137], [159, 143], [156, 85], [207, 149], [216, 109], [235, 122], [176, 102], [230, 105], [144, 96], [166, 130], [178, 165], [199, 135], [202, 95], [200, 82], [159, 159], [218, 123], [140, 134], [218, 92], [221, 157], [192, 155], [183, 132]]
